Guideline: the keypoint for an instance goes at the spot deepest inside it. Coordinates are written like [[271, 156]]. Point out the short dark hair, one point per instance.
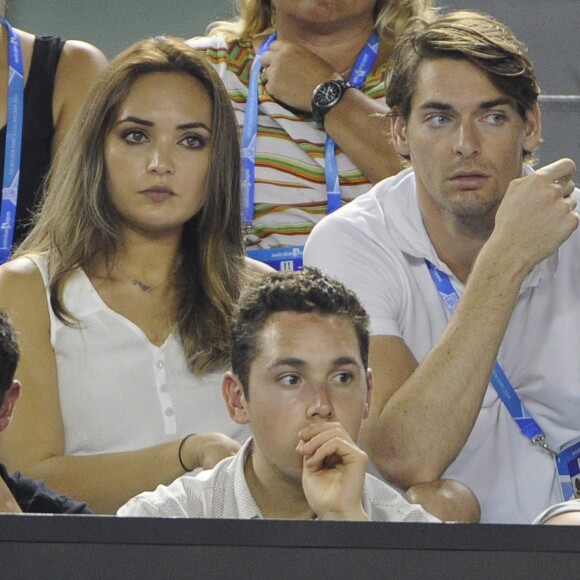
[[305, 291], [9, 355], [468, 35]]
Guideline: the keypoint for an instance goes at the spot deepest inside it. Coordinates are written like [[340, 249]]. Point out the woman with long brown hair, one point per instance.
[[122, 293]]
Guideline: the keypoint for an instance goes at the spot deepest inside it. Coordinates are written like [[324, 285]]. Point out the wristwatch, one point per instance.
[[327, 95]]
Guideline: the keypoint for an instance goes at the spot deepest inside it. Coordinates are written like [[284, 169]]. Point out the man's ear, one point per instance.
[[369, 392], [399, 135], [7, 406], [233, 394], [533, 135]]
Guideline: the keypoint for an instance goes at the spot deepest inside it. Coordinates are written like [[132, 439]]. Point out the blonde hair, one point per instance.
[[258, 16], [78, 223]]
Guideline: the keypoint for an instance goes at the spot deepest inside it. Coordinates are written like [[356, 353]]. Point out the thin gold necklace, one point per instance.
[[148, 288], [144, 287]]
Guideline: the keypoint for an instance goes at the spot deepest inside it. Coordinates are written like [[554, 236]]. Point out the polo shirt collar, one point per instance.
[[247, 507], [404, 220]]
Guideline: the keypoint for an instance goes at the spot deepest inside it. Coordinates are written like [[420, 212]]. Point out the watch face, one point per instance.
[[327, 94]]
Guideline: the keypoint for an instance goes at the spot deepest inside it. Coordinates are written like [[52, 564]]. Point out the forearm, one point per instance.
[[107, 481], [358, 124], [423, 426]]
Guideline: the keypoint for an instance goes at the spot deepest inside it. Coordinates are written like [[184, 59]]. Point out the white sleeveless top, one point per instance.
[[119, 392]]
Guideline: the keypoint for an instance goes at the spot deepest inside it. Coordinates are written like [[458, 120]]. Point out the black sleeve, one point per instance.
[[34, 496]]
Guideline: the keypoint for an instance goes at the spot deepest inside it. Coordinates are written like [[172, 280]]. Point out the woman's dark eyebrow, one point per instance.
[[146, 123], [194, 125], [137, 120]]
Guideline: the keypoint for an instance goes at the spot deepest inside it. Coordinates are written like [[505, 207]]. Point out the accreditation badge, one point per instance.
[[568, 465], [283, 259]]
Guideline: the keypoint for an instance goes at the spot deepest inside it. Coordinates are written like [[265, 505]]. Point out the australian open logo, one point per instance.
[[6, 227], [335, 187], [248, 150], [451, 300], [15, 45], [360, 72], [245, 181], [10, 194], [438, 275], [296, 252]]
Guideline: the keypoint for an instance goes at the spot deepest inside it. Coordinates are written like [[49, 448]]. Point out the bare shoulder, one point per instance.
[[565, 519], [79, 66], [256, 267], [27, 47], [26, 38], [20, 280], [20, 268], [82, 57]]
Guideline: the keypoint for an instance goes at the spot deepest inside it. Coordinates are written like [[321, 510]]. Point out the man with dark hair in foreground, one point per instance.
[[299, 377]]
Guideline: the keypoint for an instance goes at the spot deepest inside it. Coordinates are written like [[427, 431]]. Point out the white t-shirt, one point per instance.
[[377, 246]]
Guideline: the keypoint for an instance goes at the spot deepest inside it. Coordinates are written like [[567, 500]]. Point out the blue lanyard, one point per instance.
[[249, 136], [362, 67], [15, 106], [499, 380]]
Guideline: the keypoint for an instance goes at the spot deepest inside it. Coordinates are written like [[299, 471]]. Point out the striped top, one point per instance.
[[290, 191]]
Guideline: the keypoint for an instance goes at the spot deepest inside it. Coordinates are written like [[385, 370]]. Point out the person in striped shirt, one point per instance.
[[317, 48]]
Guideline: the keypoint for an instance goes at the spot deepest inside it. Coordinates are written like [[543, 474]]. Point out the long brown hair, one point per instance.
[[78, 223]]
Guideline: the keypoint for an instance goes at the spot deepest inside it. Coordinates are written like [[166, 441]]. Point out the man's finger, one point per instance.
[[559, 170]]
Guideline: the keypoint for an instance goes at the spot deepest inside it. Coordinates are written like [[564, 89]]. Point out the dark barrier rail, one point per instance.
[[106, 547]]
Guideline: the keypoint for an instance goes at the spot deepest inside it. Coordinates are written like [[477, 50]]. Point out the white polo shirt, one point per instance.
[[377, 246]]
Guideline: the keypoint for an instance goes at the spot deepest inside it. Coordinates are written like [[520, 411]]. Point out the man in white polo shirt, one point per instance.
[[469, 220]]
